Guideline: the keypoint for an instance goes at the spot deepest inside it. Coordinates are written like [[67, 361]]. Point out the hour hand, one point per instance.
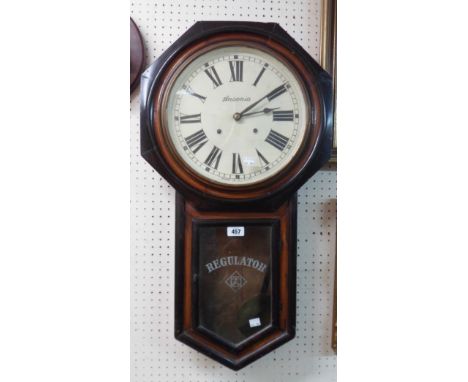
[[273, 94], [265, 111]]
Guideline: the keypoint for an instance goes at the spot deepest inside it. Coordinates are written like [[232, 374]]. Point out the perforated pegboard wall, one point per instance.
[[155, 354]]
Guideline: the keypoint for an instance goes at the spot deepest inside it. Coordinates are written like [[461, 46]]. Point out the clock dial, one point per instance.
[[236, 115]]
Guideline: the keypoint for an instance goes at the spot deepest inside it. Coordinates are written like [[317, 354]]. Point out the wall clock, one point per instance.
[[236, 116], [137, 55]]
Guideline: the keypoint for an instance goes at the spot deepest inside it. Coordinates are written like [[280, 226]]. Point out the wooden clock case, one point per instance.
[[137, 56], [270, 204]]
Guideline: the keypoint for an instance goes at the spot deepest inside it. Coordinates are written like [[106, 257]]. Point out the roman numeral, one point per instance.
[[237, 164], [189, 91], [276, 92], [200, 97], [259, 76], [213, 76], [196, 141], [193, 118], [237, 70], [283, 115], [276, 139], [214, 156], [261, 157]]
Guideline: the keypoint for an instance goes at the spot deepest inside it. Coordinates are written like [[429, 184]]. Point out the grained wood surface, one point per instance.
[[284, 306], [137, 55]]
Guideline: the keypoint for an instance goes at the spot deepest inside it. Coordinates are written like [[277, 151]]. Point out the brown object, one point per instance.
[[179, 169], [235, 296], [328, 54], [214, 317], [136, 56], [335, 312]]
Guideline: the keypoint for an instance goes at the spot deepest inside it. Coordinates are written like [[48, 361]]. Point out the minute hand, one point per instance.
[[273, 94]]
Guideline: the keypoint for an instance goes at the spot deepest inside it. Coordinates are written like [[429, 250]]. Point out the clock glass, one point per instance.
[[236, 115]]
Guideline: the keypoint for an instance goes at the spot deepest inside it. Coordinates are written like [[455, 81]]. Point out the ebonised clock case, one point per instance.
[[200, 204]]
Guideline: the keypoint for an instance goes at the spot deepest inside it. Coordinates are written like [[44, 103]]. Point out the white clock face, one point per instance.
[[236, 115]]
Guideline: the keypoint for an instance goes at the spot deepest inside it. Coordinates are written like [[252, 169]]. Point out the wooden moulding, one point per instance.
[[201, 201], [328, 56], [282, 328], [157, 147], [137, 56]]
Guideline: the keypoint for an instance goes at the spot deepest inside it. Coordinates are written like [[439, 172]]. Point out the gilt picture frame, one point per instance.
[[328, 55]]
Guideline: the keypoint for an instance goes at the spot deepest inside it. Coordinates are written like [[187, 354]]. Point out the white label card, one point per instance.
[[235, 231], [253, 322]]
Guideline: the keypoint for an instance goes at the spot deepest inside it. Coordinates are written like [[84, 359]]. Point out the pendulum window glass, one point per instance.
[[235, 276]]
